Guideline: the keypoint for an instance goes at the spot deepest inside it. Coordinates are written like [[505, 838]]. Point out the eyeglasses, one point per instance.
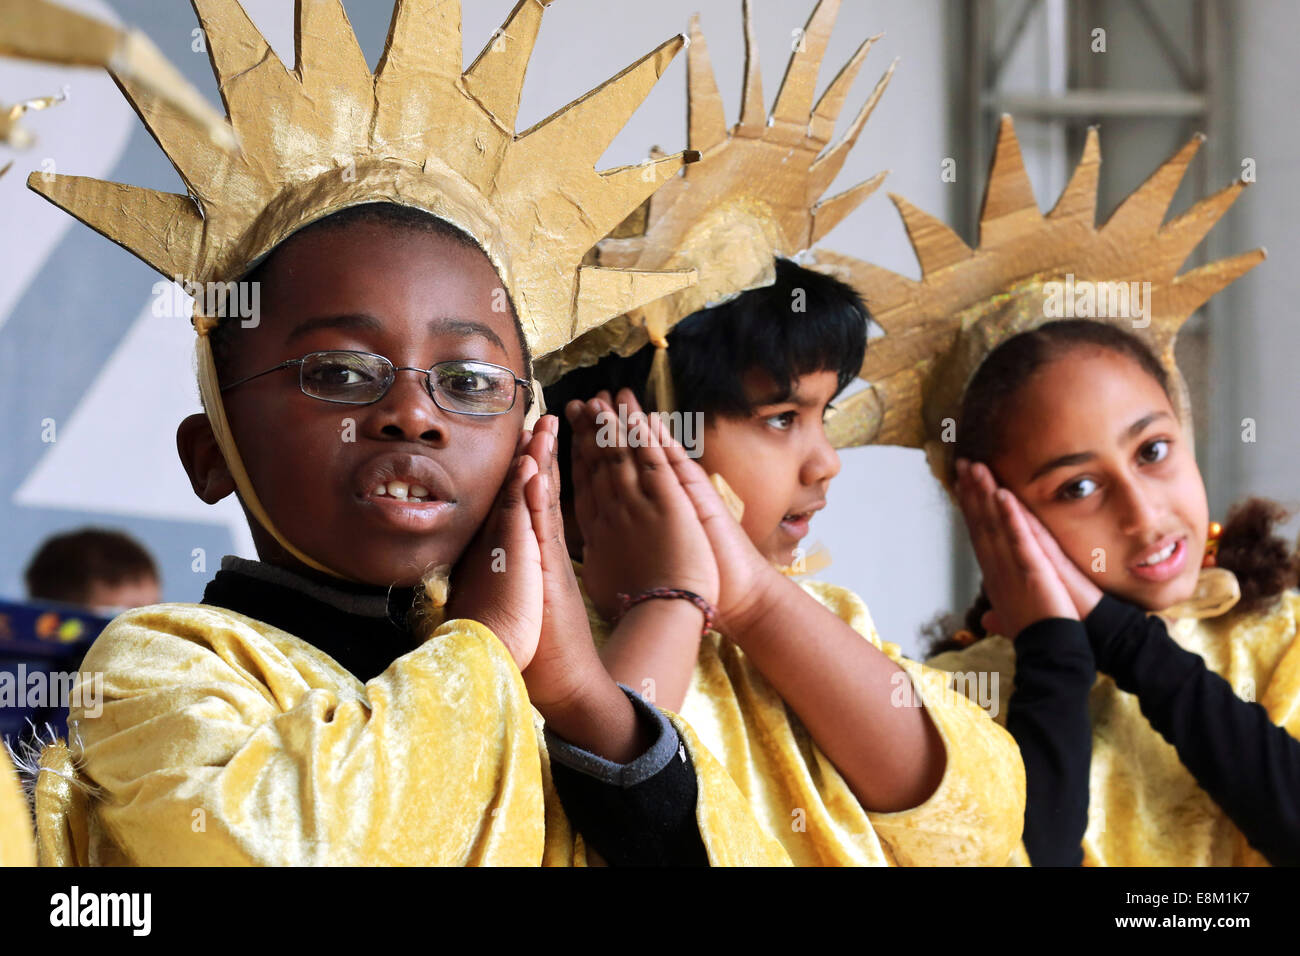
[[461, 386]]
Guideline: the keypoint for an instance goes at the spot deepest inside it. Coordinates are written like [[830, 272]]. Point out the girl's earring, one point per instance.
[[1211, 558]]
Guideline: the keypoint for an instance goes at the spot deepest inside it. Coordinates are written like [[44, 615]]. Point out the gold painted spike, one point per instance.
[[170, 244], [794, 100], [424, 40], [1009, 197], [11, 133], [1143, 211], [753, 106], [191, 153], [705, 115], [1079, 200], [936, 246], [829, 213], [1184, 233], [250, 76], [606, 292], [1193, 289], [496, 77], [630, 185], [48, 32], [596, 118], [829, 164], [326, 47], [827, 111]]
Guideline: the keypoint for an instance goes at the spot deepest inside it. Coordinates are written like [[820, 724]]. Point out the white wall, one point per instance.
[[1256, 348]]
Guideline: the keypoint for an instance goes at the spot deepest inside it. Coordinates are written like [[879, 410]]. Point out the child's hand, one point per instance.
[[566, 656], [639, 528], [498, 580], [565, 679], [743, 572], [1083, 592], [1022, 583]]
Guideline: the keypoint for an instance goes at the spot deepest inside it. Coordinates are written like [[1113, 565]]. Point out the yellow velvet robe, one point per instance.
[[1145, 808], [225, 741], [16, 848], [975, 817]]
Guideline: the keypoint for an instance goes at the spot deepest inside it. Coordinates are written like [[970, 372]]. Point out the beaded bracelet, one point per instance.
[[626, 603]]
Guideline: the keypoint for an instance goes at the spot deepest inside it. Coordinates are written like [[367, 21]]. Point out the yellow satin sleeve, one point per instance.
[[974, 817], [225, 741], [1144, 807], [16, 846]]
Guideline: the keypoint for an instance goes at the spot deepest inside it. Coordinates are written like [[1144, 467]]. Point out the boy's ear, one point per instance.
[[203, 460]]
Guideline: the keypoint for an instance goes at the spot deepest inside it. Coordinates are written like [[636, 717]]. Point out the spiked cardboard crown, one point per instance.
[[938, 330], [754, 196], [417, 132]]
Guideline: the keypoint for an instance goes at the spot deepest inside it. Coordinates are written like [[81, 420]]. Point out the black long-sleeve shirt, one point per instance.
[[1247, 764], [1048, 716], [639, 813]]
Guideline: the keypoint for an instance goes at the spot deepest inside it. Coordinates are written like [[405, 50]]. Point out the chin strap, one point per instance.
[[210, 390]]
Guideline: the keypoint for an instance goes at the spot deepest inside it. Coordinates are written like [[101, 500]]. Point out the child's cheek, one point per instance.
[[1092, 552]]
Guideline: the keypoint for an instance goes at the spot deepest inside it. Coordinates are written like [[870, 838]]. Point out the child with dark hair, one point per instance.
[[848, 753], [748, 368], [822, 729], [1104, 516], [1157, 721], [334, 702], [98, 568]]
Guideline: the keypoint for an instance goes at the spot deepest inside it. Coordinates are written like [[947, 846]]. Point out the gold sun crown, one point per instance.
[[417, 132], [754, 196], [938, 330]]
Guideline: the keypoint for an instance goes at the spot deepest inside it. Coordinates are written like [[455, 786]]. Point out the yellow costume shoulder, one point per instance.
[[225, 741], [1145, 808], [222, 740], [974, 817], [16, 848]]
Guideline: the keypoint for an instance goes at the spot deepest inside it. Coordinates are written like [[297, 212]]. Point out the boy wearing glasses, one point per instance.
[[327, 704], [297, 718]]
